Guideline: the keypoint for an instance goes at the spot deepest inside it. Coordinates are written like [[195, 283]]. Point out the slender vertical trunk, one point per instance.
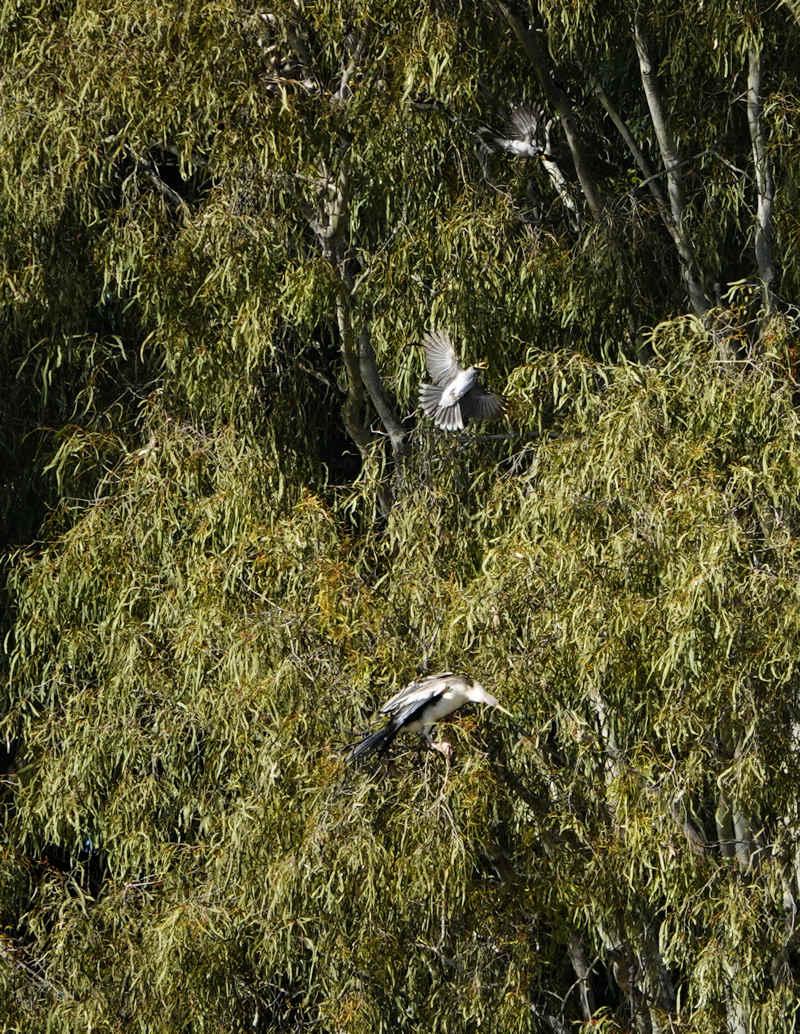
[[640, 971], [726, 836], [733, 818], [744, 837], [353, 408], [627, 973], [329, 218], [657, 983], [737, 1010], [669, 157], [371, 378], [764, 184], [364, 385], [364, 382]]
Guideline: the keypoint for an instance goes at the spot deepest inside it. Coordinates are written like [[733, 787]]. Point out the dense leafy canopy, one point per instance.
[[227, 538]]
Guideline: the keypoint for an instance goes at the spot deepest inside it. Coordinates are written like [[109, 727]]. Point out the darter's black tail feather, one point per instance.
[[379, 740]]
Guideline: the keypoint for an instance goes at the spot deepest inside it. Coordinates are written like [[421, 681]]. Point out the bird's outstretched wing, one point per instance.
[[478, 404], [418, 690], [522, 124], [440, 357]]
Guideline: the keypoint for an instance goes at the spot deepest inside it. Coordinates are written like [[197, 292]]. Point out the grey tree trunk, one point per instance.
[[764, 183], [669, 157]]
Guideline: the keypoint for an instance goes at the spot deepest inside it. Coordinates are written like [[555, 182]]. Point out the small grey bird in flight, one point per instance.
[[455, 396], [419, 705]]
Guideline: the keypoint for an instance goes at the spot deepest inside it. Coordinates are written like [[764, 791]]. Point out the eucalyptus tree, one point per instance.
[[224, 228]]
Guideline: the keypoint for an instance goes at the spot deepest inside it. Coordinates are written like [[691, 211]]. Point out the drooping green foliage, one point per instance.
[[222, 230]]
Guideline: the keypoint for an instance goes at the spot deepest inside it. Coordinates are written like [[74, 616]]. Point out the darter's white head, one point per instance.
[[476, 694]]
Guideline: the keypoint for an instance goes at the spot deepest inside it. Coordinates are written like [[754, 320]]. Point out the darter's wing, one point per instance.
[[418, 691]]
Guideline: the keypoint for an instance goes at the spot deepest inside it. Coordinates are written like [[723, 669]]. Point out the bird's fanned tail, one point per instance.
[[447, 417], [429, 397]]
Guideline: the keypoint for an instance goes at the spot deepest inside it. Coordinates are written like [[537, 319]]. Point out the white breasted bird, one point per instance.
[[455, 397], [419, 705]]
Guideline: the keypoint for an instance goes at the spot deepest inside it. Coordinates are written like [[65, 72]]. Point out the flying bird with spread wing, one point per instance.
[[521, 134], [419, 706], [455, 397]]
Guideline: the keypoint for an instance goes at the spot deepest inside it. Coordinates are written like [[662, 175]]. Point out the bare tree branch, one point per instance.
[[669, 156], [328, 224], [625, 133], [14, 956], [583, 972], [172, 196], [764, 183], [562, 188], [650, 178], [371, 379], [343, 92], [666, 143]]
